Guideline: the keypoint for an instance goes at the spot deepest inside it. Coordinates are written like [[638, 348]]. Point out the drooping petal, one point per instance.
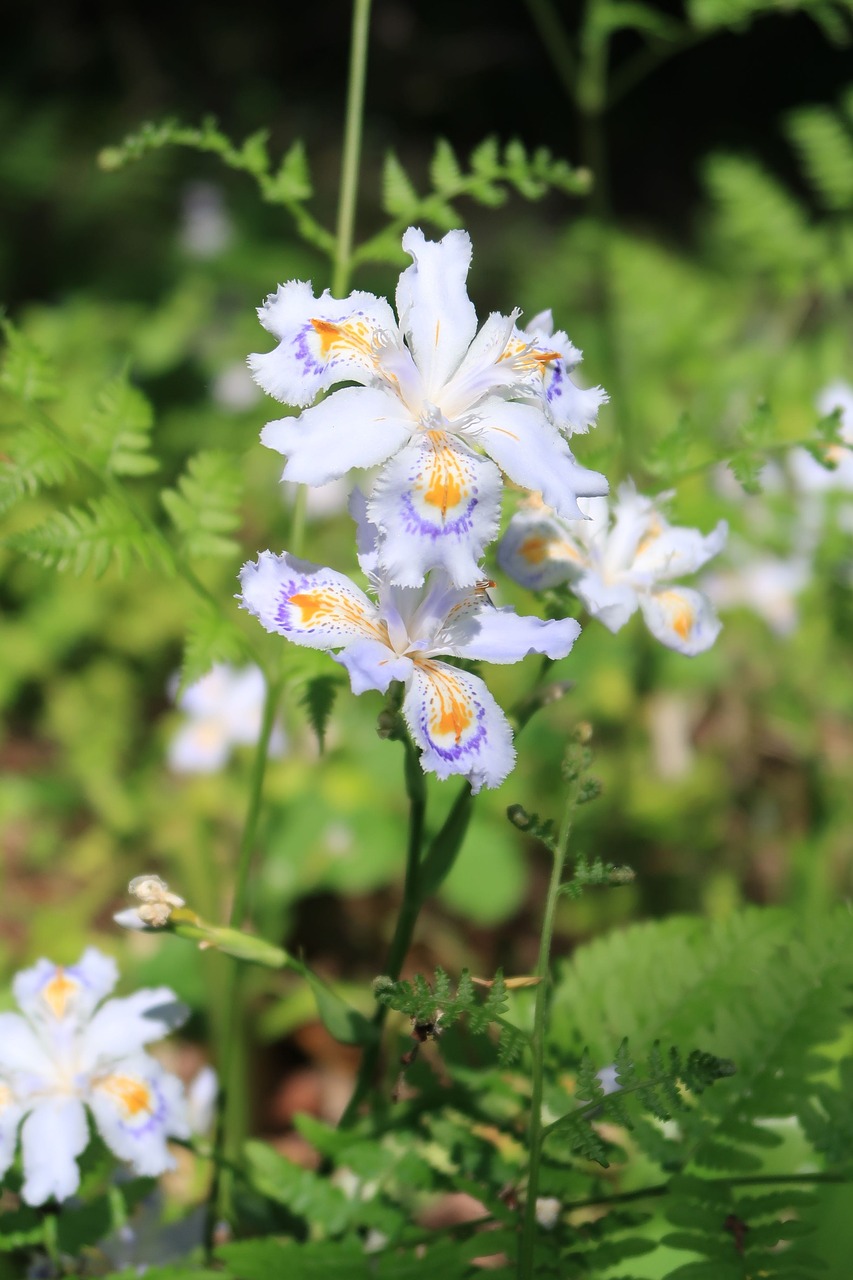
[[137, 1107], [500, 635], [458, 725], [53, 1136], [366, 533], [322, 341], [49, 992], [308, 604], [533, 453], [435, 311], [22, 1052], [611, 603], [122, 1026], [681, 618], [673, 551], [353, 427], [436, 505], [11, 1113], [538, 552], [372, 664]]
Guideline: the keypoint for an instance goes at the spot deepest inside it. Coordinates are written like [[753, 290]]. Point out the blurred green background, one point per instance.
[[709, 272]]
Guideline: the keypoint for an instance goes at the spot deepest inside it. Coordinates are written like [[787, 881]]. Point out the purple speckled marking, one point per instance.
[[470, 746], [157, 1118], [295, 587], [555, 387], [302, 351]]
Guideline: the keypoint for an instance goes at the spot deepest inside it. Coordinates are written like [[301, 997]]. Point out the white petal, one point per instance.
[[353, 427], [435, 311], [137, 1107], [538, 551], [310, 605], [533, 453], [122, 1026], [681, 619], [372, 664], [53, 1135], [323, 341], [458, 725], [500, 635], [50, 992], [21, 1050], [366, 533], [11, 1113], [201, 1101], [611, 603], [673, 551], [436, 505]]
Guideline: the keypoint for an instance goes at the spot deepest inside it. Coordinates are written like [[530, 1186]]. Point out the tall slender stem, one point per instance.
[[535, 1133], [404, 928], [230, 1110], [352, 147]]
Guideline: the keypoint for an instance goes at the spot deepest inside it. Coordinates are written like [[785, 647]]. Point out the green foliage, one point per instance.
[[318, 699], [92, 537], [204, 507], [433, 1006], [118, 431]]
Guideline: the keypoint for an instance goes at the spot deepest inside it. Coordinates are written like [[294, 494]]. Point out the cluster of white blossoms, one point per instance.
[[617, 561], [441, 407], [69, 1056]]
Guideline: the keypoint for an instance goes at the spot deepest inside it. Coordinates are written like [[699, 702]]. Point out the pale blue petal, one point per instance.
[[500, 635], [308, 604], [53, 1136], [435, 311], [458, 725], [681, 618], [372, 665]]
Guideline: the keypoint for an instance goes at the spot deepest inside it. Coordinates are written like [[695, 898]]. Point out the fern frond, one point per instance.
[[118, 431], [92, 537], [824, 144], [212, 637], [204, 507], [26, 372], [37, 461]]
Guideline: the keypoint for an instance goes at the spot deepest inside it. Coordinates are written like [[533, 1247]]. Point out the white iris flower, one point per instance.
[[807, 473], [223, 710], [451, 715], [435, 400], [618, 563], [67, 1054]]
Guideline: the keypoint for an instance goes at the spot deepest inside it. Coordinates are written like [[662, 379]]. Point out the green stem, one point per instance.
[[352, 147], [404, 929], [555, 42], [230, 1110], [535, 1132]]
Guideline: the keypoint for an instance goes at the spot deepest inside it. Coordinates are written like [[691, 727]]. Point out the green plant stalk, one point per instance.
[[352, 148], [535, 1130], [404, 928], [230, 1116]]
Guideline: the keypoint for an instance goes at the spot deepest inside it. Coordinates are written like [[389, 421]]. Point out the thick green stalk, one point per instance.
[[404, 929], [535, 1131], [352, 147], [231, 1109]]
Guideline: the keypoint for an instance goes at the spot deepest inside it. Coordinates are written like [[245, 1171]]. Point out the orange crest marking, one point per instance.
[[132, 1095], [451, 714], [446, 484], [309, 606], [59, 991], [680, 613]]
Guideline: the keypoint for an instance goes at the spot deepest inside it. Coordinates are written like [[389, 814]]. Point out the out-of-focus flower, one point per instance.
[[202, 1093], [618, 563], [233, 388], [807, 473], [66, 1054], [548, 1212], [437, 402], [768, 585], [155, 904], [224, 709], [323, 500], [206, 228], [451, 715]]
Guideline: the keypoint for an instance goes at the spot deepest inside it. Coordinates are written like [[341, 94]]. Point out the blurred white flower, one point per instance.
[[322, 500], [206, 228], [234, 389], [224, 709], [202, 1093], [68, 1056], [547, 1212], [768, 585], [616, 562]]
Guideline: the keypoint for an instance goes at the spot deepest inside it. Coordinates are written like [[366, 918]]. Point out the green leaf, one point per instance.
[[119, 430], [322, 1260], [293, 180], [318, 698], [82, 539], [825, 148], [445, 847], [344, 1023], [399, 197], [445, 173], [212, 637], [302, 1191], [204, 508], [26, 373]]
